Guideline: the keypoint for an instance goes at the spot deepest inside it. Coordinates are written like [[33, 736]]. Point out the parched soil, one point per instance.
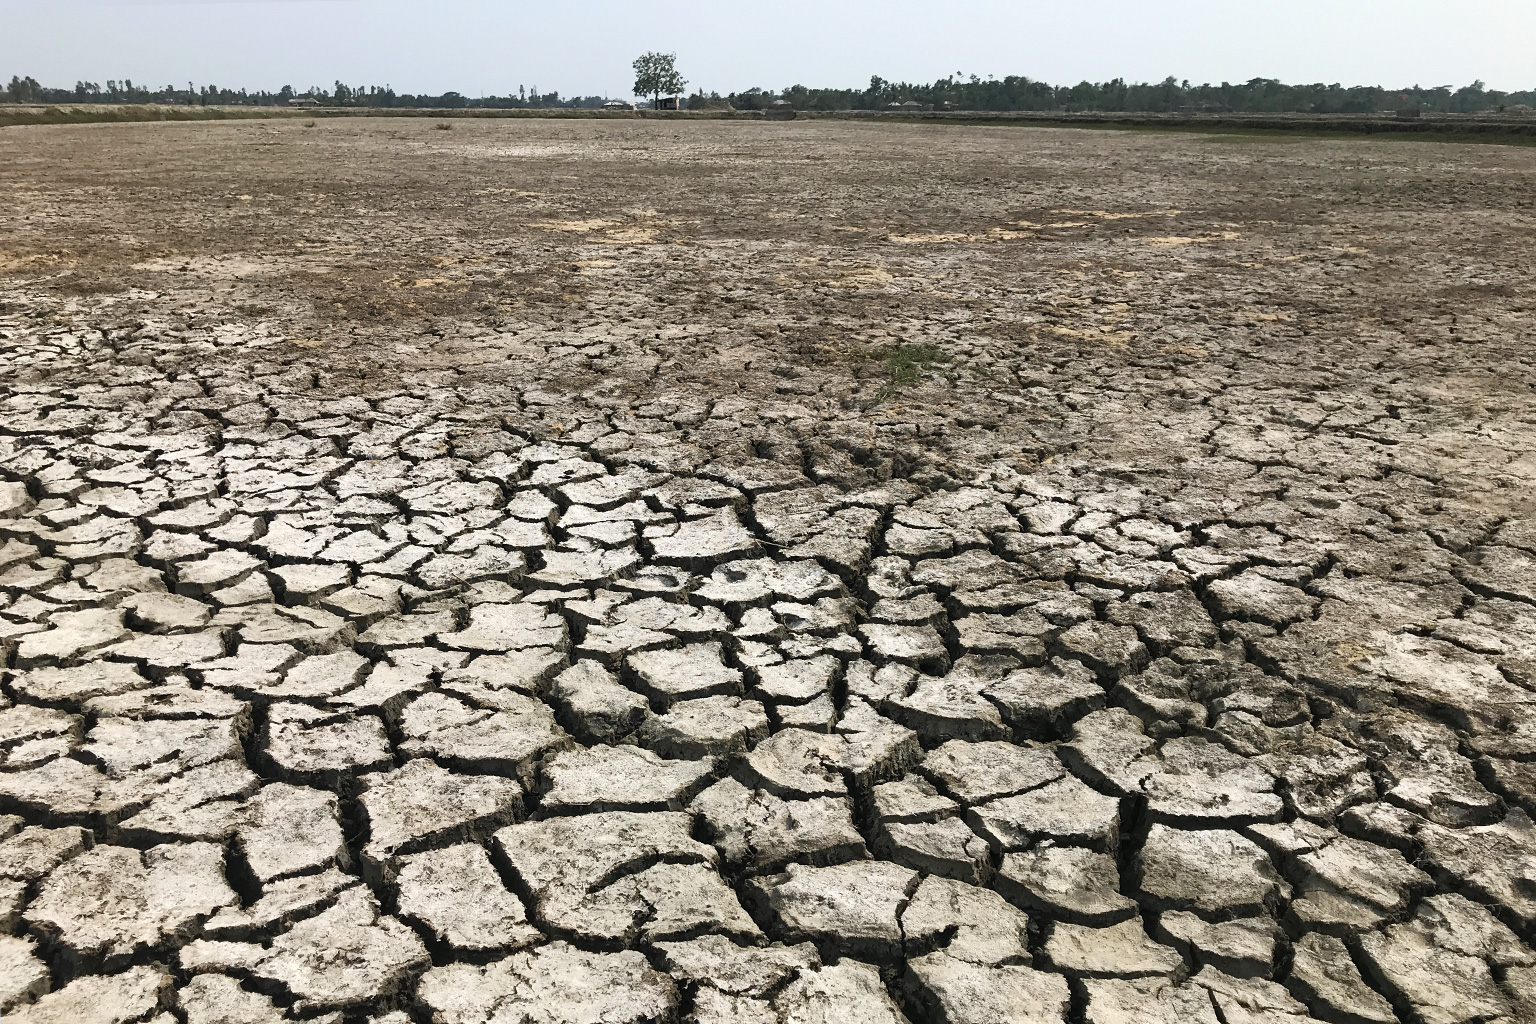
[[649, 571]]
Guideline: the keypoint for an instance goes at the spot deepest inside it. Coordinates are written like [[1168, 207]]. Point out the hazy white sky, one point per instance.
[[584, 47]]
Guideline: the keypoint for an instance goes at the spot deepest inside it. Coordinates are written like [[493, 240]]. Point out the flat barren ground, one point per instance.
[[550, 571]]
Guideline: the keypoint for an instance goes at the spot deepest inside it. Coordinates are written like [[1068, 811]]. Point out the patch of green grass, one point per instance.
[[906, 364]]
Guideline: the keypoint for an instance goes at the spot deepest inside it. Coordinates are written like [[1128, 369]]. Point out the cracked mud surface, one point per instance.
[[491, 575]]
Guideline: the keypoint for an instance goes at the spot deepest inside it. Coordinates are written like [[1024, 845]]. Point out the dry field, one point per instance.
[[554, 571]]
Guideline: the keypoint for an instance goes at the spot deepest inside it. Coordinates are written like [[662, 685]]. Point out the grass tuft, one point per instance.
[[905, 364]]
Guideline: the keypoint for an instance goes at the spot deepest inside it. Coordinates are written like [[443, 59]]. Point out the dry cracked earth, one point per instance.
[[550, 571]]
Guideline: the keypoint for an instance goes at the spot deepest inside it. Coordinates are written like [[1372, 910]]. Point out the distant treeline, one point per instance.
[[28, 90], [1259, 96]]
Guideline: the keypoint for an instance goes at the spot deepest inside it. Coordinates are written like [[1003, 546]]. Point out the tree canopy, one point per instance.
[[1016, 92], [656, 76]]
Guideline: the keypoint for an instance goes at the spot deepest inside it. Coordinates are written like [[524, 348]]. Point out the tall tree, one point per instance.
[[656, 76]]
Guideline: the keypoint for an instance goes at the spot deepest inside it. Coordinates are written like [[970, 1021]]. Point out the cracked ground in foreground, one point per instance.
[[546, 571]]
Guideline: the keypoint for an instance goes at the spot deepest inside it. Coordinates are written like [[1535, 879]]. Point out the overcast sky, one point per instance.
[[584, 47]]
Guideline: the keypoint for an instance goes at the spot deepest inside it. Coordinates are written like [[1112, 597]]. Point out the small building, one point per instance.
[[303, 101], [618, 105], [669, 103]]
